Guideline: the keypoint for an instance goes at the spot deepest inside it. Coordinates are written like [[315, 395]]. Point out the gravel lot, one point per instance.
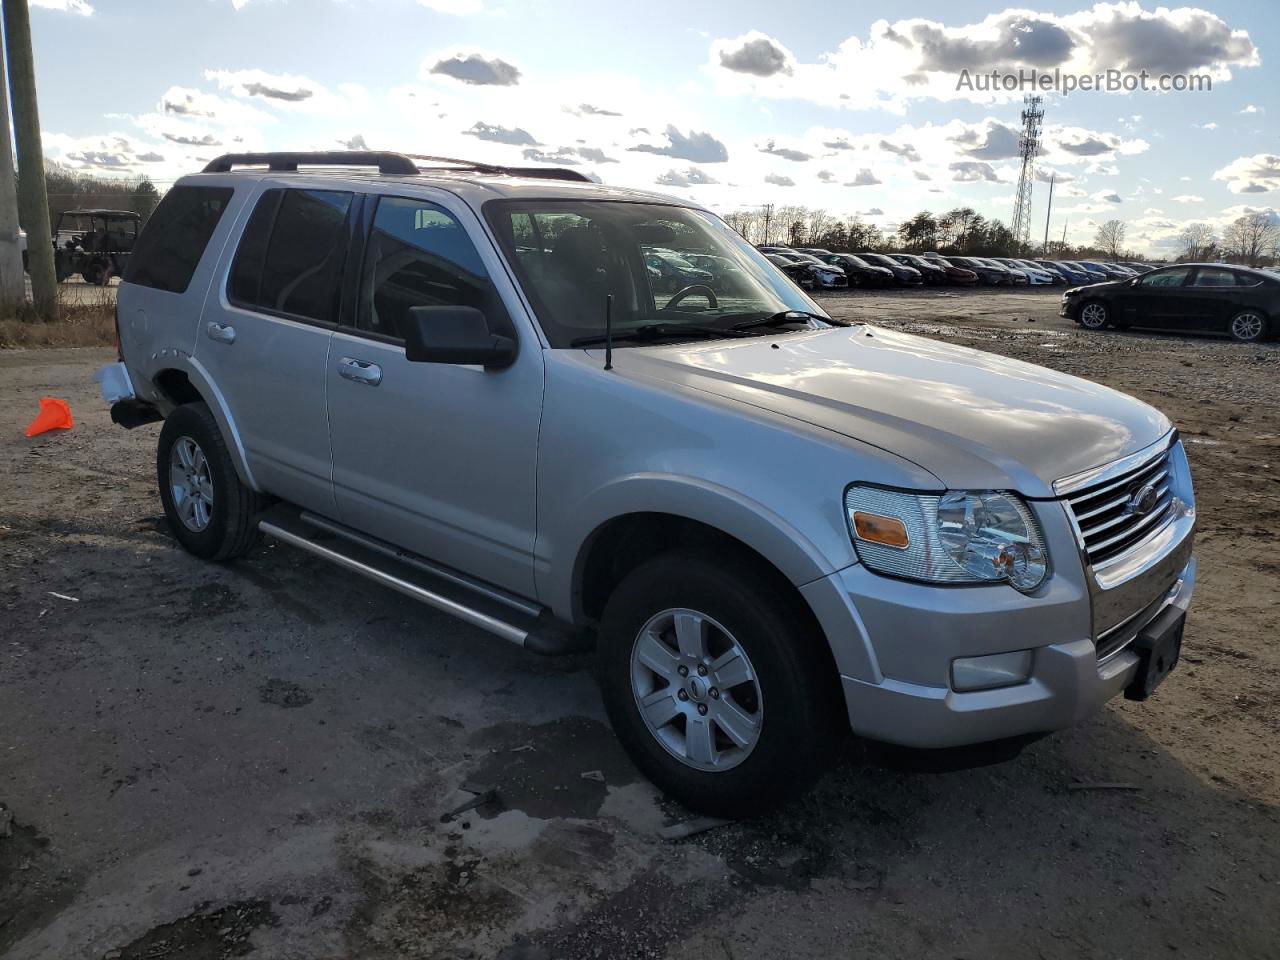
[[206, 761]]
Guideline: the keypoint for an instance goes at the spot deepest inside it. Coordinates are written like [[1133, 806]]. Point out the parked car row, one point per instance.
[[806, 265]]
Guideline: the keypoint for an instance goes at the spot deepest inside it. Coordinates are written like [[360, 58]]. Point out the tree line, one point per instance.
[[71, 189], [1252, 240]]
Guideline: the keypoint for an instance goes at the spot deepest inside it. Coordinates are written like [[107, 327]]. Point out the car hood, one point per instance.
[[974, 420], [1102, 286]]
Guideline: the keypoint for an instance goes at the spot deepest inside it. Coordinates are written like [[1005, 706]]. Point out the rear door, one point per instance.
[[1213, 296], [266, 340], [437, 458]]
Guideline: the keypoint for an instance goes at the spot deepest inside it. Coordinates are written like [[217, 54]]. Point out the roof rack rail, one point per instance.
[[389, 163], [396, 164], [535, 173]]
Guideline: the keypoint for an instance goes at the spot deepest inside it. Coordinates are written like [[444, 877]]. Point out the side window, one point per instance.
[[168, 251], [291, 254], [1165, 278], [418, 255], [1248, 280], [1214, 277]]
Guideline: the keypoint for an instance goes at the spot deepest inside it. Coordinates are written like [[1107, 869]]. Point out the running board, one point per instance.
[[490, 609]]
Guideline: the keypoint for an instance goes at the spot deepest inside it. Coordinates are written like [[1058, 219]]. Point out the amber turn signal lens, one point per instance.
[[887, 531]]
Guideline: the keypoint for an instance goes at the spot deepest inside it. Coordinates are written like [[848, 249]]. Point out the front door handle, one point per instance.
[[222, 332], [369, 374]]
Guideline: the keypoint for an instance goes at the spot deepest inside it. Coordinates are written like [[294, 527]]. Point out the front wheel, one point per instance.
[[1248, 326], [1094, 315], [212, 514], [715, 687]]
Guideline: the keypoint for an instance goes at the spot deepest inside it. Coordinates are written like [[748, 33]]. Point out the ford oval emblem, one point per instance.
[[1143, 501]]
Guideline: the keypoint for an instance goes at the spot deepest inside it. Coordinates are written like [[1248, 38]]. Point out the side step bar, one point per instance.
[[492, 610]]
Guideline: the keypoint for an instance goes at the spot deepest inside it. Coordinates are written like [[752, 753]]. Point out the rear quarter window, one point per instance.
[[174, 239]]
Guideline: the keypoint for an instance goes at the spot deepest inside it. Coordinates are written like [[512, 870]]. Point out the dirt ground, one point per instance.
[[204, 761]]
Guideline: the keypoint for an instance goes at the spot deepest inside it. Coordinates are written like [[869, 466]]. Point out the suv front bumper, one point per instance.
[[909, 634]]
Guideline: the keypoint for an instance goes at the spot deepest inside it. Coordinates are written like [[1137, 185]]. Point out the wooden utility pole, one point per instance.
[[33, 199], [13, 286]]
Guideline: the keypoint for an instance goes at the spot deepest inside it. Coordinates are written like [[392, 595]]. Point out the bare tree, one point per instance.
[[1110, 238], [1197, 240], [1251, 238], [819, 223]]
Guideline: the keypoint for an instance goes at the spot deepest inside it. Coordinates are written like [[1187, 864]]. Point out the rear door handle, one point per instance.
[[222, 332], [360, 371]]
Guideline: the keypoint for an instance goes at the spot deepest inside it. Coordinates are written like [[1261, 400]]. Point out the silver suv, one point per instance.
[[468, 384]]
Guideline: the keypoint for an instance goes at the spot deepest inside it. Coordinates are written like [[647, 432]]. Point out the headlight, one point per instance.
[[983, 536]]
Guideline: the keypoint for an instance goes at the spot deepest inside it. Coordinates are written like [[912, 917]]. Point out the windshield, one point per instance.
[[661, 264]]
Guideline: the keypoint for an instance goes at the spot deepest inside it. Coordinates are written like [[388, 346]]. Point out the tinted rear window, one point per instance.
[[292, 252], [169, 249]]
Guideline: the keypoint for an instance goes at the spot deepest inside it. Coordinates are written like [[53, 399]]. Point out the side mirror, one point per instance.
[[458, 335]]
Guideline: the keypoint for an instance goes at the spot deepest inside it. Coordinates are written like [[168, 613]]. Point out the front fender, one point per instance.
[[728, 511]]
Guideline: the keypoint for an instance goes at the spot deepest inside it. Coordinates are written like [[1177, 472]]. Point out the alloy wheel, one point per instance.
[[191, 484], [1247, 326], [696, 690], [1093, 316]]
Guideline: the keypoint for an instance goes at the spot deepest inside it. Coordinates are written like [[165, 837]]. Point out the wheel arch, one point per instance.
[[621, 544], [183, 380]]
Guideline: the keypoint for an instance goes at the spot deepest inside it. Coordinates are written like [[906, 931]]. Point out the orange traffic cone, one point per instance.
[[54, 415]]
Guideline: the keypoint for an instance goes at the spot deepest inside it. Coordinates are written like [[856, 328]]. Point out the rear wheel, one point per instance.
[[1248, 326], [212, 514], [1094, 315], [715, 686]]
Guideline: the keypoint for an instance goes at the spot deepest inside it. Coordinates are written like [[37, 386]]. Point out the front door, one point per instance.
[[440, 459], [1155, 299], [265, 339]]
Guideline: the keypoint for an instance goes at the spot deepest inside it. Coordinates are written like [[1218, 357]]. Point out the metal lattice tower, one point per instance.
[[1029, 146]]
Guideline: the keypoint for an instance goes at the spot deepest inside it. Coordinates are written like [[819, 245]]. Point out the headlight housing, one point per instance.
[[958, 537]]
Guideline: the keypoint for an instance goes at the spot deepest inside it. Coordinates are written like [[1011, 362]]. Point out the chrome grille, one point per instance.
[[1103, 513]]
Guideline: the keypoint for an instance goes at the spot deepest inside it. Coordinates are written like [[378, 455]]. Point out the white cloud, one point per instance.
[[919, 58], [1251, 109], [457, 8], [1187, 198], [779, 181], [472, 67], [1208, 126], [1257, 174], [753, 53], [81, 7]]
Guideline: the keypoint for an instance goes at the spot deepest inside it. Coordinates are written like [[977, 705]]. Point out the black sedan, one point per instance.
[[933, 273], [987, 273], [905, 276], [1191, 296], [859, 272], [808, 272]]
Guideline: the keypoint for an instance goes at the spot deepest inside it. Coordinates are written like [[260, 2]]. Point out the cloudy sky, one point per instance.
[[730, 102]]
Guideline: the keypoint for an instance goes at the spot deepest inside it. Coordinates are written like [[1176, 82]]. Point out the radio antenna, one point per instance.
[[608, 331]]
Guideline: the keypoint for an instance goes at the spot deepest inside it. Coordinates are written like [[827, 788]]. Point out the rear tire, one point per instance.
[[1248, 326], [731, 752], [212, 514]]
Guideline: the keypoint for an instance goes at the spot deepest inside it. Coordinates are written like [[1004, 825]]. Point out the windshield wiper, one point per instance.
[[786, 316], [660, 331]]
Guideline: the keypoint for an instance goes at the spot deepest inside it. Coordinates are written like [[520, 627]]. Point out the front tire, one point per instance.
[[1248, 326], [1094, 315], [212, 514], [717, 688]]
